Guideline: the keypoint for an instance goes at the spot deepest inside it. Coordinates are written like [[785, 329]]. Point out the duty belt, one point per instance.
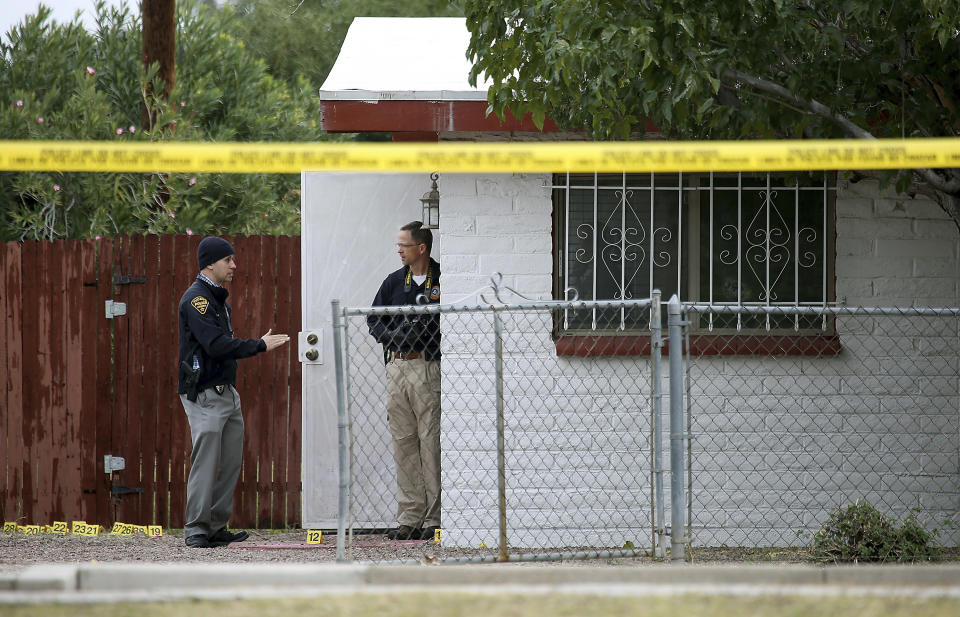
[[407, 355]]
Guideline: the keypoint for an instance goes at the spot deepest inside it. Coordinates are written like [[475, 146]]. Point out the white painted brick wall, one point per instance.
[[778, 442], [496, 223], [894, 250]]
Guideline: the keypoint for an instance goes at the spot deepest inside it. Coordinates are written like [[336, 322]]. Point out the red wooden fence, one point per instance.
[[77, 386]]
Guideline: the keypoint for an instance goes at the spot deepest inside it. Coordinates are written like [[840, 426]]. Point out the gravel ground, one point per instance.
[[18, 551]]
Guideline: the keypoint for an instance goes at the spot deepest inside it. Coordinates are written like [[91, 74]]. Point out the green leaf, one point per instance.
[[666, 108], [704, 106], [539, 115]]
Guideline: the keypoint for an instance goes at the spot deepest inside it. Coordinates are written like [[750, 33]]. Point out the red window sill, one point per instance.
[[703, 345]]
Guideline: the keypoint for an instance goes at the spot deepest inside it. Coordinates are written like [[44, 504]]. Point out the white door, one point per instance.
[[348, 235]]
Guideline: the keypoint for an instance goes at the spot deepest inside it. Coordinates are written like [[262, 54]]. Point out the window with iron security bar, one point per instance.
[[745, 239]]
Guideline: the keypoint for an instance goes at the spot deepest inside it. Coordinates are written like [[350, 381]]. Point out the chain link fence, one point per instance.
[[795, 411], [541, 455], [556, 425]]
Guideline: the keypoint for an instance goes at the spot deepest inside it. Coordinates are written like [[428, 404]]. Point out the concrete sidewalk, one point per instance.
[[88, 582]]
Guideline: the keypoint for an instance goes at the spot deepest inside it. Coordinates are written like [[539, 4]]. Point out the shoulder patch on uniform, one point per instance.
[[435, 293], [200, 303]]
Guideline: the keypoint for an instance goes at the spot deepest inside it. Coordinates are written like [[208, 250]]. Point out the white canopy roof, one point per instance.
[[403, 58]]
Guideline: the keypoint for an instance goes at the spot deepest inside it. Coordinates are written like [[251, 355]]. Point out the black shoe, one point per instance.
[[429, 532], [201, 541], [403, 532], [226, 537]]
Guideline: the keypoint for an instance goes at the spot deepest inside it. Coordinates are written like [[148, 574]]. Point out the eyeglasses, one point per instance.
[[400, 245]]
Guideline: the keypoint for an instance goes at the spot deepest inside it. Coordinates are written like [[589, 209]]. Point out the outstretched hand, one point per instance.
[[274, 340]]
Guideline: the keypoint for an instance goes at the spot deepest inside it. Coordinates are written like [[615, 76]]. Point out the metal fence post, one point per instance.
[[688, 537], [501, 457], [675, 323], [342, 435], [656, 349]]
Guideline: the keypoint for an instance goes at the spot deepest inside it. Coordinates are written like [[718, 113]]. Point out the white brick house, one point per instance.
[[858, 244]]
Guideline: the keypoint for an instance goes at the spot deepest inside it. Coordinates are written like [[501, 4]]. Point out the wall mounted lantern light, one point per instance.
[[431, 204]]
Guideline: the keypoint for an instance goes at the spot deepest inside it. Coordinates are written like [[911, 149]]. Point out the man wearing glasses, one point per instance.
[[411, 352]]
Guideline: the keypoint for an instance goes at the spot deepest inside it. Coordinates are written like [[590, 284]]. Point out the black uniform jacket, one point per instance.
[[206, 331], [403, 333]]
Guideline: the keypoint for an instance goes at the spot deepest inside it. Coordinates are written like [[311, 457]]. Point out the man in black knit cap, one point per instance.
[[207, 379]]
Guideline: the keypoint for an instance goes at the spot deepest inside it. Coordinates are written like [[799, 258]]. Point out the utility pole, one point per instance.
[[159, 45]]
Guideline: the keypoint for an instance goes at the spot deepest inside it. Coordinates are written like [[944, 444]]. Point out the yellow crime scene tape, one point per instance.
[[653, 156]]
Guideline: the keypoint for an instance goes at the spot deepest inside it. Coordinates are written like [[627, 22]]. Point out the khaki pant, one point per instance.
[[413, 410], [216, 429]]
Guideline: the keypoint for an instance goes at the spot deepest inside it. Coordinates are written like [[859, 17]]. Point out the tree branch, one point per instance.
[[849, 127], [945, 181], [950, 203], [766, 97], [295, 9]]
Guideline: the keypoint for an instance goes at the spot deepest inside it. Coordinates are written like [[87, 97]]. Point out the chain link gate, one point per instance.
[[542, 456], [794, 411]]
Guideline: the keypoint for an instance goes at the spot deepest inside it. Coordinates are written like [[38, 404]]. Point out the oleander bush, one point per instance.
[[61, 82]]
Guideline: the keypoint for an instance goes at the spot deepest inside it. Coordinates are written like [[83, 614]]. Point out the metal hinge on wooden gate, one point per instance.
[[117, 463], [117, 490], [114, 309], [123, 279], [113, 463]]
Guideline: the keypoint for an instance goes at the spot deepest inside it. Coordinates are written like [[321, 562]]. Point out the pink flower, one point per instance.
[[90, 71], [183, 103], [119, 131], [172, 215], [97, 238], [192, 181], [189, 232], [132, 129], [19, 103], [56, 187], [40, 120]]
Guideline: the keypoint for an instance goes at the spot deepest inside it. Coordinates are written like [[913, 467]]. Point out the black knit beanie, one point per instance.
[[212, 249]]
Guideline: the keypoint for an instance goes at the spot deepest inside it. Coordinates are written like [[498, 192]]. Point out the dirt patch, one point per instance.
[[20, 550]]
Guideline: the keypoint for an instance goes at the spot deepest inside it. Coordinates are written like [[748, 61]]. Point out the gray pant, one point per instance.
[[216, 430], [413, 407]]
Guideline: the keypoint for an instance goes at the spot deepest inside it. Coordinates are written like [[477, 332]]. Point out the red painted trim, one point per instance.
[[703, 345], [416, 136], [337, 116], [589, 346]]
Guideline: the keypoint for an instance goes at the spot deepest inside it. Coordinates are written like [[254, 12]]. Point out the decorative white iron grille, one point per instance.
[[742, 239]]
